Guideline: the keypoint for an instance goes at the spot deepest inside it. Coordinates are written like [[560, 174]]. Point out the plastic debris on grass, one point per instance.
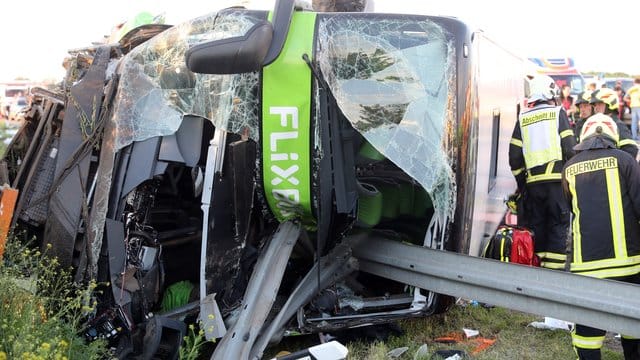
[[477, 344], [422, 352], [397, 352], [550, 323]]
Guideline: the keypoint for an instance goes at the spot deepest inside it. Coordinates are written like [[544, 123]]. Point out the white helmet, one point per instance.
[[599, 124], [542, 88]]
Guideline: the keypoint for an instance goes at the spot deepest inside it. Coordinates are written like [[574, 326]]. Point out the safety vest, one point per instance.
[[540, 137]]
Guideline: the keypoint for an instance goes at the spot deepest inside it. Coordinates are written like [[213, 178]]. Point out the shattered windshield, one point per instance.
[[393, 78], [156, 89]]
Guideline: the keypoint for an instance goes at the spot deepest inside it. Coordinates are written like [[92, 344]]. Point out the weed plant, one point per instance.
[[192, 346], [42, 310]]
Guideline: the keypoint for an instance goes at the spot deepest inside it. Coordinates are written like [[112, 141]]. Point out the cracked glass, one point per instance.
[[394, 80], [156, 89]]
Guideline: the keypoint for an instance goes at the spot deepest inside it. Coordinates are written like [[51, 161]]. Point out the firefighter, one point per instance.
[[602, 186], [606, 101], [542, 141], [583, 102]]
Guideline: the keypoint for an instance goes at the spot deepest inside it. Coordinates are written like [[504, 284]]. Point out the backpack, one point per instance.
[[512, 244]]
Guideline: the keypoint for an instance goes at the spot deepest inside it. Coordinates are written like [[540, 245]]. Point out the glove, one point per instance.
[[512, 202]]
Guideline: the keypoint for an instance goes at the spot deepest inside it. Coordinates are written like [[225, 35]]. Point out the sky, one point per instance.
[[36, 34]]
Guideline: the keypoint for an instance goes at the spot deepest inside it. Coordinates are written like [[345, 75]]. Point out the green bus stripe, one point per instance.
[[286, 125]]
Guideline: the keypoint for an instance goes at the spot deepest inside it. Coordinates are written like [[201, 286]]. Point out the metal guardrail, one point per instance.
[[604, 304]]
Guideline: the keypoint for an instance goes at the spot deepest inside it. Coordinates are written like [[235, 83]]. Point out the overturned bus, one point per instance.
[[224, 169]]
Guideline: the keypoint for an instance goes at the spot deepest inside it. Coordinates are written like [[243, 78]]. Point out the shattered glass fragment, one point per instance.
[[391, 80], [156, 89]]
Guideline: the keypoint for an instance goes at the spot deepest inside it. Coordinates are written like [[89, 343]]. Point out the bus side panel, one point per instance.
[[499, 80]]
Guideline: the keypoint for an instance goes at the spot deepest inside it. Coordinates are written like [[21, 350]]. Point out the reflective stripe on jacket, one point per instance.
[[603, 188], [542, 140]]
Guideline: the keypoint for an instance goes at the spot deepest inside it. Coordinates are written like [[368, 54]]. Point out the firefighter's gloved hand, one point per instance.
[[512, 202]]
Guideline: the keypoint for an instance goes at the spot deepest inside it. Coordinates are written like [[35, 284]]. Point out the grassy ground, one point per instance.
[[41, 312], [514, 339]]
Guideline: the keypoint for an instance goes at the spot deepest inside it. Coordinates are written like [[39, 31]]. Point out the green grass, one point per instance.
[[4, 134], [41, 311], [514, 339]]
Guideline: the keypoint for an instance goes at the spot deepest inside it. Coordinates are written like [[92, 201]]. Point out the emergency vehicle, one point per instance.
[[562, 70]]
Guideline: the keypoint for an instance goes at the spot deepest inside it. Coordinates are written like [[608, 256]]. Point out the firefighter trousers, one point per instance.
[[587, 342], [547, 214]]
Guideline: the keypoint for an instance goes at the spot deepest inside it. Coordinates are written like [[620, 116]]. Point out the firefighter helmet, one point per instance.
[[584, 98], [599, 124], [606, 96], [542, 88]]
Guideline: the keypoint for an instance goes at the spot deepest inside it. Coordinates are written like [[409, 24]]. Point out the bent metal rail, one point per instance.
[[605, 304]]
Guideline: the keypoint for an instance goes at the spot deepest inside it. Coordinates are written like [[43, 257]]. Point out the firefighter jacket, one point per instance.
[[602, 186], [542, 141], [625, 142]]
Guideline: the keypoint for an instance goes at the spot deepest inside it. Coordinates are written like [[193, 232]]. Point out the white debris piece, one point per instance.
[[552, 324], [422, 352], [469, 333], [397, 352]]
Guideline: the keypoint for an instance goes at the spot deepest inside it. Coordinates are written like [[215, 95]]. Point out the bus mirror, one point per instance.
[[234, 55]]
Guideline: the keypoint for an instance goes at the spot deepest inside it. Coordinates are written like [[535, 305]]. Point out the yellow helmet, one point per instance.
[[599, 124], [606, 96], [584, 97]]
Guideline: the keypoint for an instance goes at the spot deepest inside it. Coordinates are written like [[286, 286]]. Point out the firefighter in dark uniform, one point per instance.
[[606, 101], [542, 141], [583, 103], [602, 186]]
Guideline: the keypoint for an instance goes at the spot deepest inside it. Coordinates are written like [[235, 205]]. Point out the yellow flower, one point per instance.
[[45, 346], [3, 355], [63, 343]]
